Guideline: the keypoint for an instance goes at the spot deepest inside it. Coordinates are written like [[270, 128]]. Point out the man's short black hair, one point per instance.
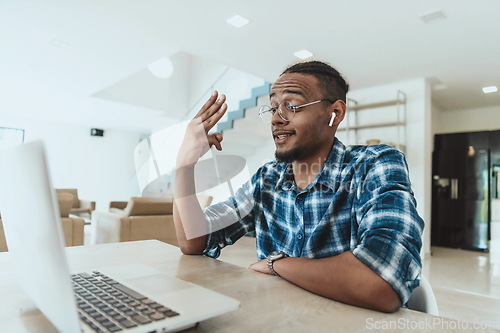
[[331, 82]]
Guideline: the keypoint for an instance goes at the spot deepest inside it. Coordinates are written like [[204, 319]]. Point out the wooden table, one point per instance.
[[268, 303]]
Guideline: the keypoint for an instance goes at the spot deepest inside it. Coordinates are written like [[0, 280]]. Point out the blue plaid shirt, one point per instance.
[[361, 201]]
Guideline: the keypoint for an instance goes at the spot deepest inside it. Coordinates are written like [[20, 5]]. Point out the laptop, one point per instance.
[[129, 298]]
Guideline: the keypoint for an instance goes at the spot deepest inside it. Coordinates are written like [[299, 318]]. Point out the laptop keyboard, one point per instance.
[[108, 306]]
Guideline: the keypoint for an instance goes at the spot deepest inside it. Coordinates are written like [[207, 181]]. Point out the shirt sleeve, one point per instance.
[[230, 220], [389, 227]]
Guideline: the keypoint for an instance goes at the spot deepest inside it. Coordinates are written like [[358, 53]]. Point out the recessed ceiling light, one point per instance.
[[439, 86], [490, 89], [303, 54], [238, 21], [435, 15]]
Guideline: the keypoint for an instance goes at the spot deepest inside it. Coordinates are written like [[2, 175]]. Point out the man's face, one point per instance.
[[307, 135]]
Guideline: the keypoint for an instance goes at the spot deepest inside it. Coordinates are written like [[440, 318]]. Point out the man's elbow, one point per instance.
[[388, 300], [193, 245], [189, 250], [389, 306]]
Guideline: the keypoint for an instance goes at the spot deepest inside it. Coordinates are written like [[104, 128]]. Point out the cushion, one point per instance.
[[65, 202], [117, 211], [149, 206]]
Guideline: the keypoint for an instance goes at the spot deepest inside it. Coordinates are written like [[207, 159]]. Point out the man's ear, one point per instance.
[[339, 108]]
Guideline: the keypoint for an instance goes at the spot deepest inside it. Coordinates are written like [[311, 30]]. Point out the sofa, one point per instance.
[[79, 207], [3, 241], [138, 219], [72, 227]]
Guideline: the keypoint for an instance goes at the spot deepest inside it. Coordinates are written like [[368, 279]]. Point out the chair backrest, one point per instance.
[[138, 206], [3, 241], [65, 201], [422, 298], [74, 193]]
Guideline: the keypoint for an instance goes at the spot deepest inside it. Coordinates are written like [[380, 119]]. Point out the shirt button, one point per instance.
[[299, 236]]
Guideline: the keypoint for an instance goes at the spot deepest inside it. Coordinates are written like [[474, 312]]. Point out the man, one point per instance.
[[339, 222]]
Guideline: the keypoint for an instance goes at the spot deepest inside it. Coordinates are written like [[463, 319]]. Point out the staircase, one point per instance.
[[244, 132], [244, 105]]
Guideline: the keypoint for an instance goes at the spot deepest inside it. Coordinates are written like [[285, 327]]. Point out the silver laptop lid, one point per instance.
[[34, 234]]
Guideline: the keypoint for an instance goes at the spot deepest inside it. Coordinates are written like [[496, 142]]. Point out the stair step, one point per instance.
[[246, 104]]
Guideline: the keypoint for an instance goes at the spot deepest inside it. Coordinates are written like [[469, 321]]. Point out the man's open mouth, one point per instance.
[[281, 137]]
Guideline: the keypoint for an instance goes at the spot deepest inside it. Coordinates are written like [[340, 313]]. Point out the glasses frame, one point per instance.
[[280, 111]]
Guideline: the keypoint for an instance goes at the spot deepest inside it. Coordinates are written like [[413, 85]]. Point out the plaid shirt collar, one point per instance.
[[331, 170]]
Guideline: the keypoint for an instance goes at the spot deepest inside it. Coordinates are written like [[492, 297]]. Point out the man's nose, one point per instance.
[[277, 120]]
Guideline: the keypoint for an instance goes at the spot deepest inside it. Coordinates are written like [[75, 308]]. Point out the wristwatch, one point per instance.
[[272, 257]]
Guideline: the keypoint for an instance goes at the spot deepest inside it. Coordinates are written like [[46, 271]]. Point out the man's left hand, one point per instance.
[[260, 266]]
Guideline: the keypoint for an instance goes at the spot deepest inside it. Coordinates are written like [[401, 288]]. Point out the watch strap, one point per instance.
[[270, 263]]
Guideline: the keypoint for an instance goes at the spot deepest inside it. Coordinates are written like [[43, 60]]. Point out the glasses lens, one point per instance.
[[266, 114], [286, 110]]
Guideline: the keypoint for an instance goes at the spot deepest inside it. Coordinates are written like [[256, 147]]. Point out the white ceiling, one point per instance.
[[57, 57]]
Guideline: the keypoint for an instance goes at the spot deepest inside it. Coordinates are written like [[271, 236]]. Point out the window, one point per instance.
[[10, 136]]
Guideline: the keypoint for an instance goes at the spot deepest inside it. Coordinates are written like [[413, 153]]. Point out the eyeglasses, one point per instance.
[[285, 110]]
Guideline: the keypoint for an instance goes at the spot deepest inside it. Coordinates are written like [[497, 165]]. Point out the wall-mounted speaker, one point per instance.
[[96, 132]]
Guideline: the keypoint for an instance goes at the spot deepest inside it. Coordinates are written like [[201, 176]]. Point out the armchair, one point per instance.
[[79, 207], [72, 227], [141, 219], [3, 242]]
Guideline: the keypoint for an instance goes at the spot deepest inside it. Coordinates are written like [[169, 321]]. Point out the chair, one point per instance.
[[3, 241], [117, 206], [72, 227], [140, 219], [422, 298], [79, 207]]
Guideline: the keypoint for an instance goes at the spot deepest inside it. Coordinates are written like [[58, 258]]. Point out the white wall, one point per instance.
[[264, 154], [101, 168], [470, 120]]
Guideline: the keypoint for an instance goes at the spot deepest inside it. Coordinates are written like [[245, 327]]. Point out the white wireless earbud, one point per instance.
[[332, 119]]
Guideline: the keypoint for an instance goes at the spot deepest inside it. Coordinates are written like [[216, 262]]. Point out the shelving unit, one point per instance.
[[399, 120]]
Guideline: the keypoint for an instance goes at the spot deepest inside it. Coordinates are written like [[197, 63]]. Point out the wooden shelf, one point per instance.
[[376, 105], [397, 120]]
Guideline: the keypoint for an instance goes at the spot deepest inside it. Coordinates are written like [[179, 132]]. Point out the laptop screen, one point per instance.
[[34, 233]]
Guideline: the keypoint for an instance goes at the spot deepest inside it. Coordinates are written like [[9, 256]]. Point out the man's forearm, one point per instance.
[[188, 216], [343, 278]]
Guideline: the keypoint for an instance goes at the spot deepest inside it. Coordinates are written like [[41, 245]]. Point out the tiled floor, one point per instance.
[[466, 283]]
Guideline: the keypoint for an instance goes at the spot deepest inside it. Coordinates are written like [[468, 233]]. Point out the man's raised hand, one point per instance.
[[197, 141]]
